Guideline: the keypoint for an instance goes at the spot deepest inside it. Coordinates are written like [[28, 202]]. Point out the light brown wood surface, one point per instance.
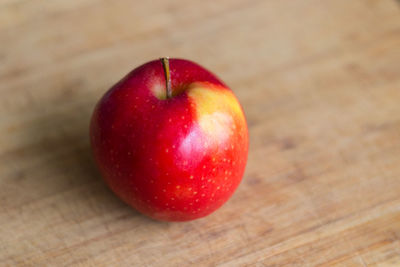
[[320, 85]]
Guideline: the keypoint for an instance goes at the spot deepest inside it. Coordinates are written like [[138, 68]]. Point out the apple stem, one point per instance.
[[167, 73]]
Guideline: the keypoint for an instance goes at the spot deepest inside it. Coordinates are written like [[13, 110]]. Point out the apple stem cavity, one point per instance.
[[167, 73]]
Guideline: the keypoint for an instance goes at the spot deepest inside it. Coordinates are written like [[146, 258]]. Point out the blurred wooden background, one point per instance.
[[320, 85]]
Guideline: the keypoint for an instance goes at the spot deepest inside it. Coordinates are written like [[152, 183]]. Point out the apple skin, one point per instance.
[[174, 159]]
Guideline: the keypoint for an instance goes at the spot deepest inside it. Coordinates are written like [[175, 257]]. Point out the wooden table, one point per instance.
[[320, 85]]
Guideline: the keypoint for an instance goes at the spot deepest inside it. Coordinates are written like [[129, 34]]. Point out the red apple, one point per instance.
[[171, 140]]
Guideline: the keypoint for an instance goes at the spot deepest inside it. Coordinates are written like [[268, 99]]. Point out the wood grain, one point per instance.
[[320, 85]]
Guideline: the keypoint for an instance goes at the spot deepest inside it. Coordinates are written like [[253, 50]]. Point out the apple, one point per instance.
[[171, 140]]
